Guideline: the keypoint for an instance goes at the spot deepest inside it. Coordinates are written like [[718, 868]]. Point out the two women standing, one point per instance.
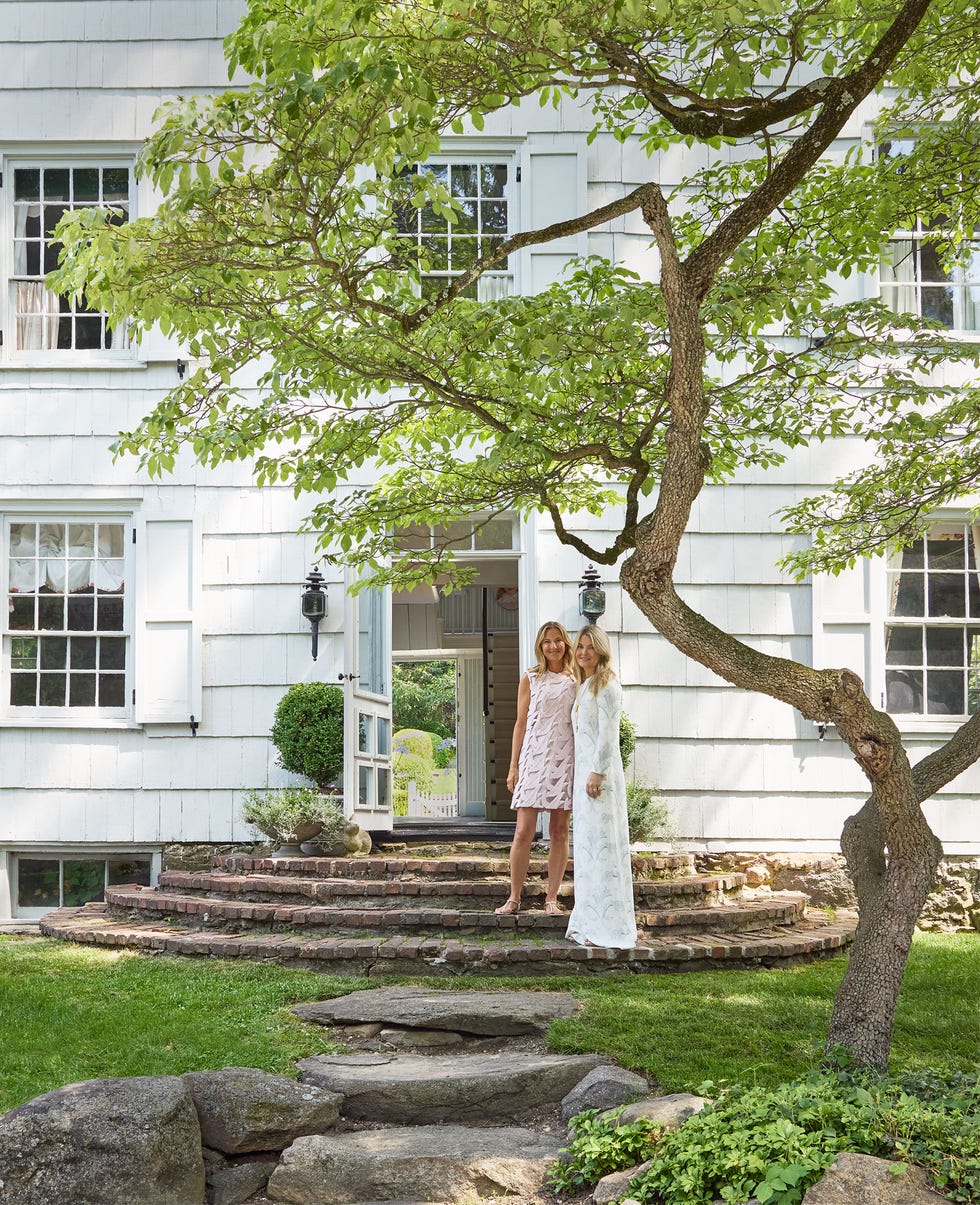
[[565, 753]]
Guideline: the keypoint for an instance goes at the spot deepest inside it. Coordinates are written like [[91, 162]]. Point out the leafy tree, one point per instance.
[[423, 695], [278, 241]]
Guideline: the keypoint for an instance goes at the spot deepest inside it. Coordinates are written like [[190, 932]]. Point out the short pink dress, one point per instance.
[[546, 765]]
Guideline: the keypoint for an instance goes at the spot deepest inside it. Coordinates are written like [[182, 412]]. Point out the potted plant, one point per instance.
[[291, 815]]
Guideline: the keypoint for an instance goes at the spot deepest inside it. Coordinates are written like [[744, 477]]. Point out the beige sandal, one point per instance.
[[553, 908], [511, 908]]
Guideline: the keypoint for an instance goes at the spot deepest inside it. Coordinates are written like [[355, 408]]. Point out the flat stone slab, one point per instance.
[[470, 1088], [489, 1014], [415, 1163]]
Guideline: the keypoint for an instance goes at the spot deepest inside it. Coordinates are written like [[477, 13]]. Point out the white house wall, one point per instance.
[[737, 768]]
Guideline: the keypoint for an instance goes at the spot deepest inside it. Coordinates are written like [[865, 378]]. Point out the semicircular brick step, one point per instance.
[[436, 916], [215, 912]]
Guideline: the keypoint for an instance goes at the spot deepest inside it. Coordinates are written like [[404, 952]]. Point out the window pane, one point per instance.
[[56, 186], [83, 652], [81, 690], [115, 184], [51, 613], [365, 775], [27, 184], [81, 613], [498, 533], [21, 612], [54, 652], [128, 870], [83, 881], [364, 725], [903, 646], [946, 549], [110, 614], [493, 179], [945, 692], [23, 690], [914, 556], [903, 691], [463, 180], [383, 782], [87, 184], [947, 594], [52, 690], [112, 690], [38, 881], [384, 734], [112, 653], [944, 646]]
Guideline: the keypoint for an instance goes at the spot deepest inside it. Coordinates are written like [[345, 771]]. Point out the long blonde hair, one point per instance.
[[542, 665], [604, 670]]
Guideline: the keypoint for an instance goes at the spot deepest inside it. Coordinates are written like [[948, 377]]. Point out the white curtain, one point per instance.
[[36, 306], [898, 271], [65, 568]]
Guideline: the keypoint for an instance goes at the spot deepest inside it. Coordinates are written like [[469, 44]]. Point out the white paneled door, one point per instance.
[[367, 707]]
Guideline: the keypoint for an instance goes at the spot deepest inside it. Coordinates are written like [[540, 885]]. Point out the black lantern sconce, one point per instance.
[[314, 603], [591, 596]]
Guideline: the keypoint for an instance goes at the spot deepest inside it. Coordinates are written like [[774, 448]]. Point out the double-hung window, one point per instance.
[[915, 276], [482, 195], [932, 627], [67, 628], [40, 320]]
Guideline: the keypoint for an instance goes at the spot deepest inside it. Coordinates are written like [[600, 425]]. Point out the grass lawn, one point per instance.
[[70, 1013]]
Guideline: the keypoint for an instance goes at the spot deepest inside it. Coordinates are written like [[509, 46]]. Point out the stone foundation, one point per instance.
[[197, 855], [953, 905]]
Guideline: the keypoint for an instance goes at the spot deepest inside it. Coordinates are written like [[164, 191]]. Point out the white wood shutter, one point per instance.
[[846, 622], [553, 189], [168, 638]]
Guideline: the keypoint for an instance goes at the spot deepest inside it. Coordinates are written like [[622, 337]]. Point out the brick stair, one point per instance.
[[435, 915]]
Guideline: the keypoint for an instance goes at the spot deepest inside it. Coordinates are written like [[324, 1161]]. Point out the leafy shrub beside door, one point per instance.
[[308, 731]]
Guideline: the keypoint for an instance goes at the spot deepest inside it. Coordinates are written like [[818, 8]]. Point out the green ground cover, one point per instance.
[[69, 1013]]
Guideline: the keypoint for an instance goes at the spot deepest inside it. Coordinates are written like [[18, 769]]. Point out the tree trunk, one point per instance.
[[890, 849], [891, 890]]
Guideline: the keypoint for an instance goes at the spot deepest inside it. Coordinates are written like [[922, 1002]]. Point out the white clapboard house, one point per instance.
[[152, 626]]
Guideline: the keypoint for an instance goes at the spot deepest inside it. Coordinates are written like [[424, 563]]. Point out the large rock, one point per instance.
[[604, 1087], [243, 1109], [863, 1179], [485, 1013], [668, 1111], [464, 1087], [421, 1163], [615, 1186], [104, 1142]]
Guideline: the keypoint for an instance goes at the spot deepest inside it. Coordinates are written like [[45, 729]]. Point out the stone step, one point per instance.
[[470, 894], [214, 912], [416, 1164], [500, 954], [645, 866], [419, 1089]]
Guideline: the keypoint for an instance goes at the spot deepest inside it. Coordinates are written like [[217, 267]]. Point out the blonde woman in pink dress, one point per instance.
[[542, 763]]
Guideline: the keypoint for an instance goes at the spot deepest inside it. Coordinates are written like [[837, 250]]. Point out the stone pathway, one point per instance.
[[379, 1127]]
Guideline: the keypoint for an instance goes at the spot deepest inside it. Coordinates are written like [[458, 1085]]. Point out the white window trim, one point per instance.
[[68, 717], [63, 156], [871, 138], [465, 150], [859, 624], [11, 856]]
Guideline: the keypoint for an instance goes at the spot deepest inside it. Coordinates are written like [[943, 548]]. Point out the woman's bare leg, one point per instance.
[[557, 853], [520, 856]]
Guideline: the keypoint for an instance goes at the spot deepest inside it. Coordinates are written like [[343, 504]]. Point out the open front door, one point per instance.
[[367, 708]]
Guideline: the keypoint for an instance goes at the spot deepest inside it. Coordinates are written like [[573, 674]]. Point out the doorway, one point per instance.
[[469, 638], [425, 711]]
